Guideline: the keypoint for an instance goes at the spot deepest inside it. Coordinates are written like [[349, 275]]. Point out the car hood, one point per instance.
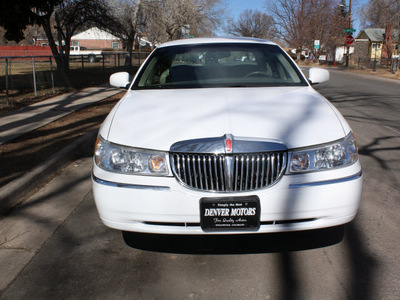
[[156, 119]]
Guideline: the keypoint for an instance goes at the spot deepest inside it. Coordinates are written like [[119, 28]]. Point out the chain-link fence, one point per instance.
[[34, 76]]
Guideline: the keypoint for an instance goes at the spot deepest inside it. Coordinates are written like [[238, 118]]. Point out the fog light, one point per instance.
[[157, 164], [300, 162]]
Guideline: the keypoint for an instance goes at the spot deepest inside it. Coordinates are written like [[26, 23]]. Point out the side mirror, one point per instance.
[[120, 80], [318, 75]]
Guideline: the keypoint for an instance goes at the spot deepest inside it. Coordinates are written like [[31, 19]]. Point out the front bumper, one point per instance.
[[162, 205]]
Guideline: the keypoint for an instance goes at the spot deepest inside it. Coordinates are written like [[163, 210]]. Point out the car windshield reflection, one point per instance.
[[217, 65]]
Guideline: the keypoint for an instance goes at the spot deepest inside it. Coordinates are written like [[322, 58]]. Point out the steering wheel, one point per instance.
[[257, 74]]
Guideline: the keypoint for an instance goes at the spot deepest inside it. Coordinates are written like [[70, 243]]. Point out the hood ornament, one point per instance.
[[228, 143]]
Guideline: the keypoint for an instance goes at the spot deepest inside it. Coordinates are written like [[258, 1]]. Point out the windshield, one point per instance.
[[218, 65]]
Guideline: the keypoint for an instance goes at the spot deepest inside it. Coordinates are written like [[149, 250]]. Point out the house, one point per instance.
[[41, 40], [369, 43], [95, 39], [341, 52]]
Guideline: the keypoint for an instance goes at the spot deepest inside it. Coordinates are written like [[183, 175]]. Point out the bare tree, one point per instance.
[[73, 15], [335, 25], [3, 41], [326, 25], [300, 22], [377, 13], [124, 19], [160, 20], [65, 16], [253, 24], [31, 35], [291, 17], [169, 16]]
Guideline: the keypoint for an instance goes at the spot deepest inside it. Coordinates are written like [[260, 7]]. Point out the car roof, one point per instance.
[[215, 40]]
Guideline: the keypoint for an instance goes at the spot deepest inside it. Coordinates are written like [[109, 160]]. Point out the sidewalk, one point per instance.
[[26, 229], [24, 120]]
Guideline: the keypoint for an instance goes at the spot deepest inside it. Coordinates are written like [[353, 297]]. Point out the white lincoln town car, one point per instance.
[[224, 136]]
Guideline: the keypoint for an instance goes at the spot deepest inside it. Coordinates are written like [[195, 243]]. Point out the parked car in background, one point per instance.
[[206, 142], [92, 55]]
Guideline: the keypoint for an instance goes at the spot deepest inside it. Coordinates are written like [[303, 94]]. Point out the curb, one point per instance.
[[367, 76], [17, 190]]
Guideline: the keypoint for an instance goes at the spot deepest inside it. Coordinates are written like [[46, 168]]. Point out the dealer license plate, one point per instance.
[[230, 213]]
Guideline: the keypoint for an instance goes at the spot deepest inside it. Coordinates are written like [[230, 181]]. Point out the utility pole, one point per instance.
[[349, 26]]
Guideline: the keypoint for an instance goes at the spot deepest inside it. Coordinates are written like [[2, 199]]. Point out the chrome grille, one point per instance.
[[228, 172]]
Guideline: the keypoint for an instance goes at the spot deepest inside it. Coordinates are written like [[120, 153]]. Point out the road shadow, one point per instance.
[[363, 264], [236, 244]]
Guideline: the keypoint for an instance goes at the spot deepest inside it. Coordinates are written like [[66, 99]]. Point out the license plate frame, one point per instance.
[[230, 214]]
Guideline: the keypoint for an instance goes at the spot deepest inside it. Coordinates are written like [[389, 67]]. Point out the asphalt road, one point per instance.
[[62, 250]]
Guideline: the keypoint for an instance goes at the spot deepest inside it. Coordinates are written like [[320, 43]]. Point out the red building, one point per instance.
[[25, 51]]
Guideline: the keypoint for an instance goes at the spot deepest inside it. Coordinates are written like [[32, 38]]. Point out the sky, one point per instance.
[[236, 7]]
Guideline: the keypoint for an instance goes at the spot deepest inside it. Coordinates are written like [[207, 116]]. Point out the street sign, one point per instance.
[[316, 44], [349, 40], [349, 30]]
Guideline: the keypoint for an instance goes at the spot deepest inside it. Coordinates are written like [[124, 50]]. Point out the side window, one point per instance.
[[115, 45], [285, 69], [157, 72]]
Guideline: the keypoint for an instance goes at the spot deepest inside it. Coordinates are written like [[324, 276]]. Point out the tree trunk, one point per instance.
[[61, 37], [388, 43], [57, 57], [129, 49], [298, 54]]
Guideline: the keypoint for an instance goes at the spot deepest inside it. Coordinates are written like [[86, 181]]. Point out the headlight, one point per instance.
[[127, 160], [326, 157]]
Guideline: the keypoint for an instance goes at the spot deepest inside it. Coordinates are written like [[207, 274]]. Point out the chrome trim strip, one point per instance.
[[130, 186], [218, 145], [319, 183]]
